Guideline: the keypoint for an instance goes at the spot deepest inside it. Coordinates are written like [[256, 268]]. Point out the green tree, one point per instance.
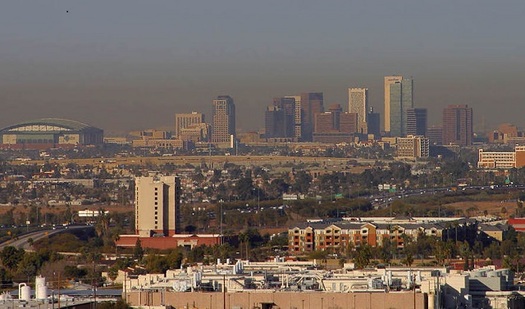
[[138, 251], [157, 264], [465, 252], [409, 258], [11, 256], [30, 264], [387, 251], [119, 304], [363, 256]]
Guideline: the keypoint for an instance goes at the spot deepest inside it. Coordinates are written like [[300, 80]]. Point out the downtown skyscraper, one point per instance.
[[311, 104], [399, 93], [358, 104], [223, 127], [280, 118], [458, 125], [416, 121]]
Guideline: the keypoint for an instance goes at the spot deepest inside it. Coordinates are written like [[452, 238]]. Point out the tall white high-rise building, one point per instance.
[[358, 104], [157, 206]]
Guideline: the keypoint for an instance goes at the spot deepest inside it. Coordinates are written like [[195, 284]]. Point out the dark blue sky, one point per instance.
[[130, 64]]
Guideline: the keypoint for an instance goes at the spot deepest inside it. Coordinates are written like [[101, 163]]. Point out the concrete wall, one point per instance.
[[297, 300]]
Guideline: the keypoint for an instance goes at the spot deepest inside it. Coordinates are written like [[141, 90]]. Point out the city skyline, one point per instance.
[[105, 62]]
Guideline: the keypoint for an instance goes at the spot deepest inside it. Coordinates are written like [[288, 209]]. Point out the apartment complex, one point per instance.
[[337, 236]]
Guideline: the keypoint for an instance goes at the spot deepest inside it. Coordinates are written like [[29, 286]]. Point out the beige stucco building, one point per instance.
[[502, 159], [412, 147], [157, 205]]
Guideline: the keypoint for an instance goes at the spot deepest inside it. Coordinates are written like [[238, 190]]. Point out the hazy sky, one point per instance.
[[130, 64]]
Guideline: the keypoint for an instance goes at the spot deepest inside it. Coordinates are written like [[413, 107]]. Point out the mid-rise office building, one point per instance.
[[457, 125], [280, 119], [373, 123], [348, 123], [502, 159], [334, 126], [358, 104], [416, 121], [183, 121], [311, 104], [412, 147], [223, 128], [507, 133], [157, 206], [197, 132], [435, 135]]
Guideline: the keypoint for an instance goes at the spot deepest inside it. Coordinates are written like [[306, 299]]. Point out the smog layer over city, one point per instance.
[[271, 154]]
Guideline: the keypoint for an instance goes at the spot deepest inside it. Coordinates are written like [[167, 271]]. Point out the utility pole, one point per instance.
[[94, 285], [58, 290], [220, 224]]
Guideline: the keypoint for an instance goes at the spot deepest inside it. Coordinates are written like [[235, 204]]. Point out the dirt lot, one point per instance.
[[492, 207]]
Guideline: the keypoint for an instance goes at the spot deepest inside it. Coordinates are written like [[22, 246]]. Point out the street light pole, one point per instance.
[[258, 198]]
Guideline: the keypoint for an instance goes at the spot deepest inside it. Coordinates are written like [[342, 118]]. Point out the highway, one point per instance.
[[22, 240]]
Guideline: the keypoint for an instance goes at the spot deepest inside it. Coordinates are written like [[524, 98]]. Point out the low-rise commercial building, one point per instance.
[[502, 159]]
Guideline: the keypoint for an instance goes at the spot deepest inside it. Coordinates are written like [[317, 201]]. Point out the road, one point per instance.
[[22, 240]]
